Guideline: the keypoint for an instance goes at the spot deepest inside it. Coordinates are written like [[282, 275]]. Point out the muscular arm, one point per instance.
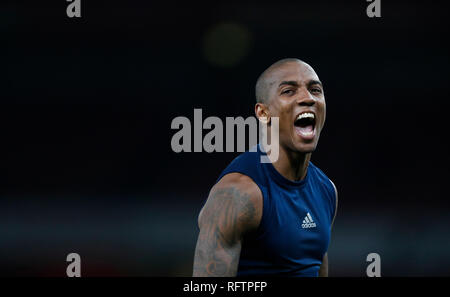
[[323, 271], [233, 208]]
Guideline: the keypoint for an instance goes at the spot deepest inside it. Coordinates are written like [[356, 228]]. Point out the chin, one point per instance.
[[305, 149]]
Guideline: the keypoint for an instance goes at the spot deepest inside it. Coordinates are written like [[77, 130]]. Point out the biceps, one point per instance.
[[224, 219], [215, 255]]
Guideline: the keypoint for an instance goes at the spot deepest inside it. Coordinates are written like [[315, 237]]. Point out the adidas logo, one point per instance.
[[308, 222]]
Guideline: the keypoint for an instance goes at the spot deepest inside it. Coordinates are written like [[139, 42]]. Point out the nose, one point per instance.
[[305, 98]]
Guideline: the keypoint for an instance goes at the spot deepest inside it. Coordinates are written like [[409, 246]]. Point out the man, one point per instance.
[[273, 218]]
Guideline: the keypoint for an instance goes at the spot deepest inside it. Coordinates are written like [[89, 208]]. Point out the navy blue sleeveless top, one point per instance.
[[294, 232]]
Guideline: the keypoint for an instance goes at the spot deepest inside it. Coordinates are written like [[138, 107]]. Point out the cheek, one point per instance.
[[280, 111], [285, 114], [286, 125], [323, 109]]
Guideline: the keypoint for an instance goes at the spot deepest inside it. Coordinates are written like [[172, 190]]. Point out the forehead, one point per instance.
[[292, 71]]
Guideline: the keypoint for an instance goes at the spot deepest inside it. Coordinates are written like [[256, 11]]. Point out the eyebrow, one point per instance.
[[295, 84]]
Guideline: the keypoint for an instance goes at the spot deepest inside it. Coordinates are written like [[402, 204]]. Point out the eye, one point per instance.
[[288, 92], [316, 90]]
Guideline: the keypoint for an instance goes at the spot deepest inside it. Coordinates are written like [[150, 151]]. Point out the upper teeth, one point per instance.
[[305, 115]]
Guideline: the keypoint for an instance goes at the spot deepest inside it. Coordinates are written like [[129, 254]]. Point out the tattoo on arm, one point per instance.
[[227, 215]]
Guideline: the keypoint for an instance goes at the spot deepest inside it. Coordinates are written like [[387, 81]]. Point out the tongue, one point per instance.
[[307, 129]]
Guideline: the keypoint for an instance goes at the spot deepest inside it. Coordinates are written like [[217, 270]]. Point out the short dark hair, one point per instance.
[[262, 86]]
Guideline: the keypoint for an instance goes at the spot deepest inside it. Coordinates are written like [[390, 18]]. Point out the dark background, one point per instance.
[[86, 164]]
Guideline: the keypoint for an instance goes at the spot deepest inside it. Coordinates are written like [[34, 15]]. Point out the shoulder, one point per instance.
[[247, 163], [323, 178], [328, 183], [319, 173], [249, 157], [237, 196]]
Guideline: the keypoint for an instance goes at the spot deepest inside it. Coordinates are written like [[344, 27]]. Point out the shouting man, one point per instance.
[[273, 218]]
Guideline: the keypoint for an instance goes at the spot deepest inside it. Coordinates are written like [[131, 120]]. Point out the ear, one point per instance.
[[262, 113]]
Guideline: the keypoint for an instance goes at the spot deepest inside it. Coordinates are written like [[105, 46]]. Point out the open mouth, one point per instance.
[[304, 124]]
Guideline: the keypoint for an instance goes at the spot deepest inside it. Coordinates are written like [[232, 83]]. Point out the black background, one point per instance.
[[86, 107]]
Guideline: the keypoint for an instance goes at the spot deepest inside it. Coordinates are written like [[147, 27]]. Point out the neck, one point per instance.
[[292, 165]]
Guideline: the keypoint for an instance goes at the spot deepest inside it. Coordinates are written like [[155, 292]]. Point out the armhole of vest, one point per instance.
[[265, 204], [335, 200]]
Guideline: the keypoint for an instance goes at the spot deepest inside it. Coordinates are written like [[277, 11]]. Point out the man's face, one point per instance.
[[296, 96]]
